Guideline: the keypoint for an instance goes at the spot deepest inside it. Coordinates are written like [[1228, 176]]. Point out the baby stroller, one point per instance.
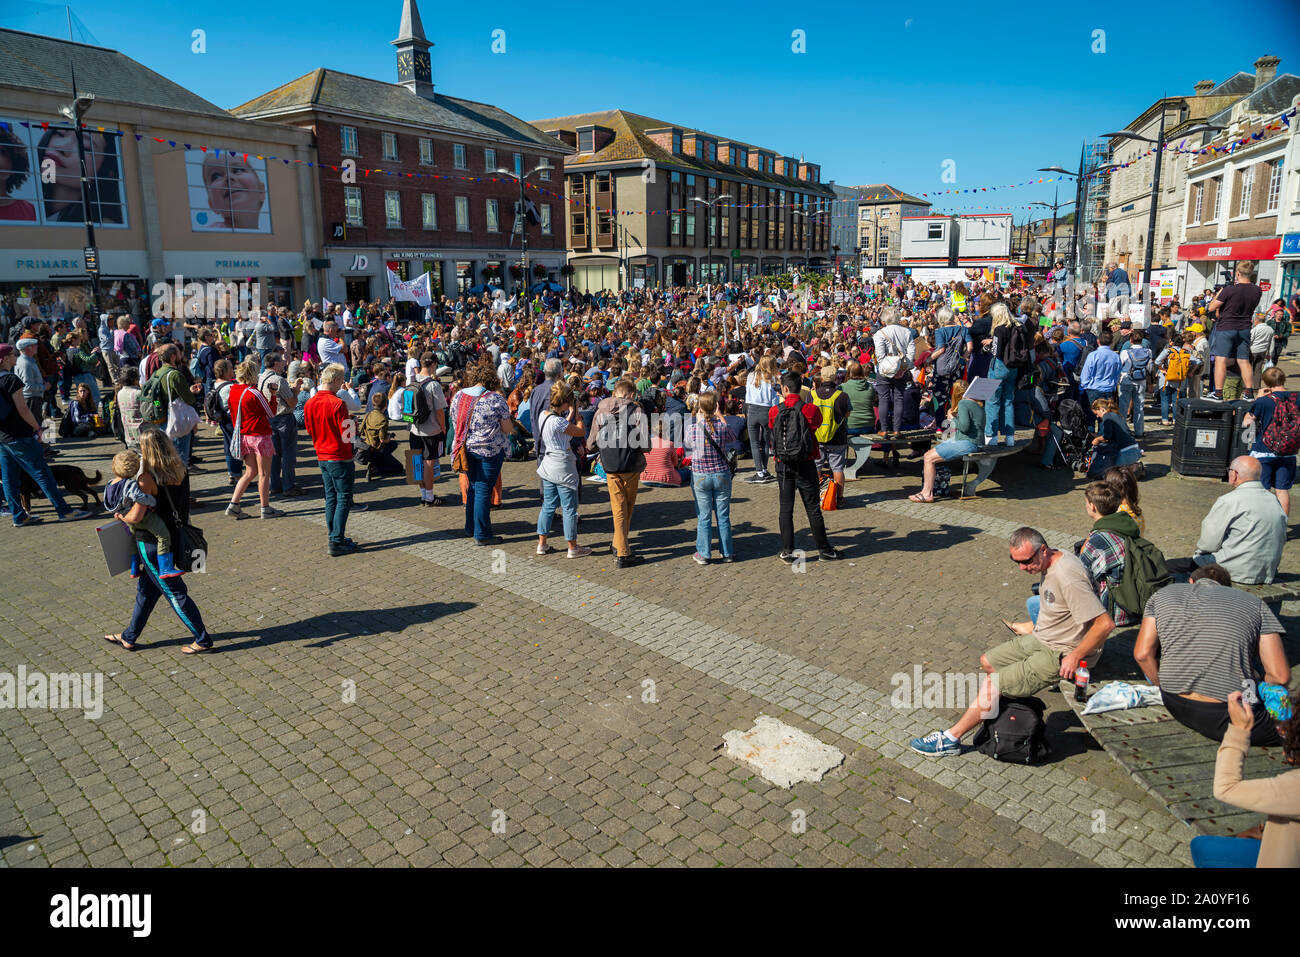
[[1073, 439]]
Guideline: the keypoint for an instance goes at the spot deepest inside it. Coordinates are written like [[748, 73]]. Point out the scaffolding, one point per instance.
[[1092, 226]]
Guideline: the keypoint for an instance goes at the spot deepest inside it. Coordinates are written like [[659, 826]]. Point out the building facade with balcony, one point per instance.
[[1234, 202], [631, 220], [1129, 199], [439, 206], [881, 211]]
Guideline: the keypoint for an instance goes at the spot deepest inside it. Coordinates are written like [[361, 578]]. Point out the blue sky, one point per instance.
[[883, 93]]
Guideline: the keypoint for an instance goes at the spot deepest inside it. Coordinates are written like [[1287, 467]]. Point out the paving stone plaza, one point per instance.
[[427, 702]]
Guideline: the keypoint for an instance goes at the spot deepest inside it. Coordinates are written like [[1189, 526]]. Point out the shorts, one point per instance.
[[1230, 344], [1024, 666], [835, 456], [955, 449], [1277, 472], [256, 445], [430, 446]]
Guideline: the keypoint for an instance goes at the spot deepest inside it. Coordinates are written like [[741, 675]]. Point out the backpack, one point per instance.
[[194, 367], [949, 363], [1282, 437], [416, 407], [1138, 371], [1018, 353], [1085, 350], [1017, 734], [792, 438], [154, 400], [826, 431], [1145, 573], [212, 407], [1178, 365]]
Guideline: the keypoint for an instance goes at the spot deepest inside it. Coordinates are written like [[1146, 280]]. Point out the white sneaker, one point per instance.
[[582, 551], [991, 440]]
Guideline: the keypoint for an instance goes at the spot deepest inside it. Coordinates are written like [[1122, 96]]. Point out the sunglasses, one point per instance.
[[1022, 562]]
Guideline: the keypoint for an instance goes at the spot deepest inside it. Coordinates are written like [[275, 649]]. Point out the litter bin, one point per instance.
[[1203, 435], [1243, 436]]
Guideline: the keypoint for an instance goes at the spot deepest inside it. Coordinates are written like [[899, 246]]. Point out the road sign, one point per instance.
[[91, 256]]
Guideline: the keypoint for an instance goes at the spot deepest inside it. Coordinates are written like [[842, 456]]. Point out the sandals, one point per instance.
[[120, 641], [194, 648], [922, 501]]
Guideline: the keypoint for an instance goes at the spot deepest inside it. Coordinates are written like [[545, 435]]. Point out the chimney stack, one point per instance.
[[1265, 70], [1203, 87]]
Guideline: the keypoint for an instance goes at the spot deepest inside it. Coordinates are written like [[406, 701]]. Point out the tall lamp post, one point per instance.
[[1054, 206], [708, 233], [1078, 203], [522, 218], [80, 107], [1159, 143]]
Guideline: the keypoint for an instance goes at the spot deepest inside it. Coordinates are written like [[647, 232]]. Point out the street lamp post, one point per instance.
[[522, 218], [80, 106], [709, 236], [1159, 143]]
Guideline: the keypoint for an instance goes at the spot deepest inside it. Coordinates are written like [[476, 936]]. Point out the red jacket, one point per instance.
[[809, 412], [330, 427]]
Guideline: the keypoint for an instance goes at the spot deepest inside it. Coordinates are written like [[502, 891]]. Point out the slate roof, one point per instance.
[[325, 89], [631, 142], [884, 193], [34, 62]]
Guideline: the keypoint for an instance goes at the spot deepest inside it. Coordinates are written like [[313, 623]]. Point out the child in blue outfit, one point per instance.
[[135, 508]]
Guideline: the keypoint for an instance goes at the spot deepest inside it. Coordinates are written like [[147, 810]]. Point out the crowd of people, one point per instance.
[[671, 388]]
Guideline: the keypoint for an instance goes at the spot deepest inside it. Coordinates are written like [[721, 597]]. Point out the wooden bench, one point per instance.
[[985, 459], [1174, 763]]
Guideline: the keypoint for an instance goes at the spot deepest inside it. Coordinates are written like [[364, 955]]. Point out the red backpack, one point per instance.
[[1282, 437]]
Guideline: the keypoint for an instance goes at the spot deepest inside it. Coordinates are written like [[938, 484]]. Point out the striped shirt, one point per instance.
[[1209, 637]]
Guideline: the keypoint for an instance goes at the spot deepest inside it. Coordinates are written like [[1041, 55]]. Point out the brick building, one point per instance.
[[439, 206], [881, 209], [632, 221]]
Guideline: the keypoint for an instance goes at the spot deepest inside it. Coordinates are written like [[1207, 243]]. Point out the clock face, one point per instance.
[[404, 63]]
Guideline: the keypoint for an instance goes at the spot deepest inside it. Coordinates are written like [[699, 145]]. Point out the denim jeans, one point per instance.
[[563, 497], [1000, 410], [1033, 603], [183, 446], [234, 467], [483, 472], [1169, 396], [756, 426], [338, 478], [151, 586], [1131, 397], [712, 493], [284, 463], [1211, 850], [26, 455]]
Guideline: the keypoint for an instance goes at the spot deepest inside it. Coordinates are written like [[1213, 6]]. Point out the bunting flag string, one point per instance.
[[1281, 122]]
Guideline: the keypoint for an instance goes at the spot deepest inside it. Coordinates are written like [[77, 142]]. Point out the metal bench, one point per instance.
[[985, 459], [861, 446]]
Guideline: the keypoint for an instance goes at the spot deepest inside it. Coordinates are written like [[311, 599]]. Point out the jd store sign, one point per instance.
[[360, 263]]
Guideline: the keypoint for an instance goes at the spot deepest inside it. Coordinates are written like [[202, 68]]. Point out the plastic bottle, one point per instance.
[[1081, 682]]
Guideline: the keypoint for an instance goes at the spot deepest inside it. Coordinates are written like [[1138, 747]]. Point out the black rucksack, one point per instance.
[[1019, 350], [1017, 734], [792, 437], [213, 408]]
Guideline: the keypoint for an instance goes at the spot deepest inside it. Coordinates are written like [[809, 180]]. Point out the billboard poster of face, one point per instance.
[[227, 192], [40, 176]]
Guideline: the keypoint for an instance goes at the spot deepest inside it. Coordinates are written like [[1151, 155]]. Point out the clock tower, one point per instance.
[[414, 71]]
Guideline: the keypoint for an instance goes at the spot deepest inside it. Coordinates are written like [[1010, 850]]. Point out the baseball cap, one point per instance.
[[161, 322]]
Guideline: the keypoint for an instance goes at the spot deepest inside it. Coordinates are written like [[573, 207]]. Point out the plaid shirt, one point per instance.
[[704, 457], [1103, 558]]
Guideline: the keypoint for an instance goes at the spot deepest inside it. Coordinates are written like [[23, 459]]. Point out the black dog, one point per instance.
[[70, 478]]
